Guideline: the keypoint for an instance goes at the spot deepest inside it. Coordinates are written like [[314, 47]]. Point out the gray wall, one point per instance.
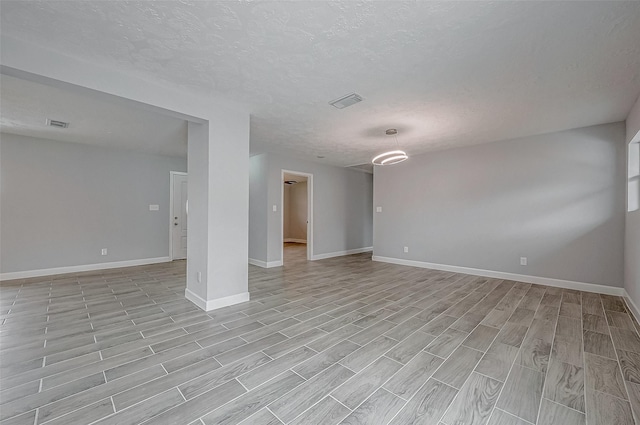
[[257, 207], [342, 201], [295, 211], [632, 228], [63, 202], [557, 199]]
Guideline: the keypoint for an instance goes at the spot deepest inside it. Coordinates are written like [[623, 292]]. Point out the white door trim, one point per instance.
[[171, 175], [309, 212]]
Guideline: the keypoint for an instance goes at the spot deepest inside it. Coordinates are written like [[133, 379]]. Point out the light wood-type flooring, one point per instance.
[[338, 341]]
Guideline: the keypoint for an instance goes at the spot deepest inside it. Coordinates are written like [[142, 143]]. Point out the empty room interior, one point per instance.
[[319, 213]]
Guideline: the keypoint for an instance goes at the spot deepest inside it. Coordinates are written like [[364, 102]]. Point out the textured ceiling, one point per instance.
[[26, 106], [445, 74]]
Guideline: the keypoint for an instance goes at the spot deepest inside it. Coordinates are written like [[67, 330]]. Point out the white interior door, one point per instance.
[[179, 217]]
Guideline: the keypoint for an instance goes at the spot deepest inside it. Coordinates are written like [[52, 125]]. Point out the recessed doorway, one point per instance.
[[297, 216]]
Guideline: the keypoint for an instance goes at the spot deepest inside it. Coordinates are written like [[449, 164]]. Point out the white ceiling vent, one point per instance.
[[345, 101], [55, 123]]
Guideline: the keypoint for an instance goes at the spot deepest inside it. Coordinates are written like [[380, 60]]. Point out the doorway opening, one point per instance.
[[178, 209], [297, 217]]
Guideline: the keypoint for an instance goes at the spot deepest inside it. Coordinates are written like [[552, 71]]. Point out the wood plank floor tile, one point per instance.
[[221, 375], [310, 392], [413, 375], [605, 409], [202, 354], [592, 304], [263, 417], [570, 310], [522, 316], [438, 325], [327, 411], [522, 393], [630, 364], [497, 361], [598, 343], [200, 405], [569, 327], [372, 332], [603, 375], [28, 418], [633, 390], [87, 414], [536, 346], [446, 343], [565, 385], [271, 369], [250, 348], [427, 406], [595, 323], [467, 322], [30, 402], [399, 333], [334, 337], [249, 403], [500, 417], [455, 370], [362, 385], [625, 339], [20, 391], [141, 412], [376, 410], [365, 355], [291, 344], [567, 349], [552, 414], [512, 334], [325, 359], [407, 349], [619, 320], [474, 402], [76, 401]]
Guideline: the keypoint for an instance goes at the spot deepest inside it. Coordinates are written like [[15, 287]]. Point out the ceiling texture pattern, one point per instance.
[[445, 74], [26, 106]]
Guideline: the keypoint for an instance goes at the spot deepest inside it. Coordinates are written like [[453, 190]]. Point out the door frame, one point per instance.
[[309, 212], [172, 174]]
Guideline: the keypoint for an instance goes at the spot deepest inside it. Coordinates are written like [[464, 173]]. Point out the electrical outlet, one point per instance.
[[406, 249], [199, 277], [523, 261], [378, 209], [274, 208], [104, 251]]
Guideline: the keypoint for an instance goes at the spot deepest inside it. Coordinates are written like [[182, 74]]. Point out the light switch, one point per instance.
[[275, 208], [378, 209], [153, 207]]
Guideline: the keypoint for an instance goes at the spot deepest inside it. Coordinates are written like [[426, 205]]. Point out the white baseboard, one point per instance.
[[341, 253], [632, 306], [566, 284], [265, 264], [215, 303], [292, 240], [82, 268]]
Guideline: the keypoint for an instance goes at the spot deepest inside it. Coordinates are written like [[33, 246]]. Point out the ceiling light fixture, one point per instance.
[[391, 157], [290, 182]]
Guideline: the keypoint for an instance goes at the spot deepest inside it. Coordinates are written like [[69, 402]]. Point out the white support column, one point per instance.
[[218, 216]]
